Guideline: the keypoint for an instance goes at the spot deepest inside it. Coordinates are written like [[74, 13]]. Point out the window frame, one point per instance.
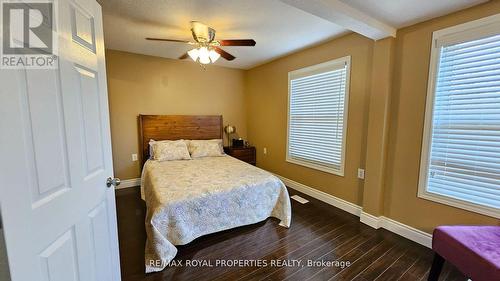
[[332, 63], [469, 31]]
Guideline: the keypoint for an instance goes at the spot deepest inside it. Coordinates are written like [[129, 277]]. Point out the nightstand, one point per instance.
[[246, 153]]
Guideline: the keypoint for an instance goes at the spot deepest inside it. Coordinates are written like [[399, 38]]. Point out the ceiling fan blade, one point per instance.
[[237, 42], [167, 40], [224, 54], [184, 56]]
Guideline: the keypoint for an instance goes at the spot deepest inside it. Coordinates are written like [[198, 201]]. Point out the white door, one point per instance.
[[59, 216]]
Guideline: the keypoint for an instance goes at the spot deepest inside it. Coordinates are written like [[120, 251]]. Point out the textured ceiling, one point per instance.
[[278, 28], [401, 13]]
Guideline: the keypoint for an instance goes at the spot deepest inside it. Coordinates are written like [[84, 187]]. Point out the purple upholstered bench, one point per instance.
[[474, 250]]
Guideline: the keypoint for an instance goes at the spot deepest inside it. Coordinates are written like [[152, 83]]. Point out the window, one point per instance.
[[317, 115], [460, 163]]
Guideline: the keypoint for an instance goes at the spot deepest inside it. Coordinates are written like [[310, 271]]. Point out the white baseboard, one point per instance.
[[370, 220], [129, 183], [320, 195], [419, 236], [411, 233]]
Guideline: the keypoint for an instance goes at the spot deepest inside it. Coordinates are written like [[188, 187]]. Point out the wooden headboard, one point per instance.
[[176, 127]]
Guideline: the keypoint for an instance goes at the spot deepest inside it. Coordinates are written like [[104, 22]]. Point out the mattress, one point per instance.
[[187, 199]]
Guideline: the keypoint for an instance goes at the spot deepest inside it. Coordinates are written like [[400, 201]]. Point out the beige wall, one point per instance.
[[139, 84], [407, 111], [266, 102]]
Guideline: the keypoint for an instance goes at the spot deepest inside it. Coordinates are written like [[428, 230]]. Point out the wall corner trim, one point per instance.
[[411, 233], [408, 232], [416, 235], [370, 220], [129, 183]]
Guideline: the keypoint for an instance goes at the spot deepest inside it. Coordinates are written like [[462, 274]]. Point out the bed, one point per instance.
[[186, 199]]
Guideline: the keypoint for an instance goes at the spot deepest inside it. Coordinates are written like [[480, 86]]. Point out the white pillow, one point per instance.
[[169, 150], [151, 144], [205, 148]]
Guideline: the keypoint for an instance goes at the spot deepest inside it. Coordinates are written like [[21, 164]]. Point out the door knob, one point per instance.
[[112, 182]]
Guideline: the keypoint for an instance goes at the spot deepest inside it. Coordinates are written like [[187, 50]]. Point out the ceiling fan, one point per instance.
[[207, 49]]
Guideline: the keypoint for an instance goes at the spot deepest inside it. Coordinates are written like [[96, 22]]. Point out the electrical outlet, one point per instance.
[[361, 174], [134, 157], [265, 150]]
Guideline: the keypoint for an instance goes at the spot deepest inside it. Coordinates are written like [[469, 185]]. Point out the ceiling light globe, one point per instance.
[[204, 55], [194, 53], [204, 60], [213, 55], [203, 52]]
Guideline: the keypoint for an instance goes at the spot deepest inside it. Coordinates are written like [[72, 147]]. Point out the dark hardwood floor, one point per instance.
[[319, 232]]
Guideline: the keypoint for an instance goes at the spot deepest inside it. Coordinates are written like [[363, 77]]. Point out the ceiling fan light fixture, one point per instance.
[[207, 48], [194, 53], [214, 56]]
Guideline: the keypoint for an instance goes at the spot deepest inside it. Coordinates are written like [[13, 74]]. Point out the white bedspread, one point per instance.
[[190, 198]]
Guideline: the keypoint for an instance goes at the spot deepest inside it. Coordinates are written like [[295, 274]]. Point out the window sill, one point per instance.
[[461, 204], [316, 167]]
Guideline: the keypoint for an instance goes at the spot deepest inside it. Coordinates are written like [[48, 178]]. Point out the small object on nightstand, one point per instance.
[[229, 129], [238, 143], [245, 153]]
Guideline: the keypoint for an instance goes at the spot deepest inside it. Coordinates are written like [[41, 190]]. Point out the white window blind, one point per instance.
[[317, 115], [464, 157]]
